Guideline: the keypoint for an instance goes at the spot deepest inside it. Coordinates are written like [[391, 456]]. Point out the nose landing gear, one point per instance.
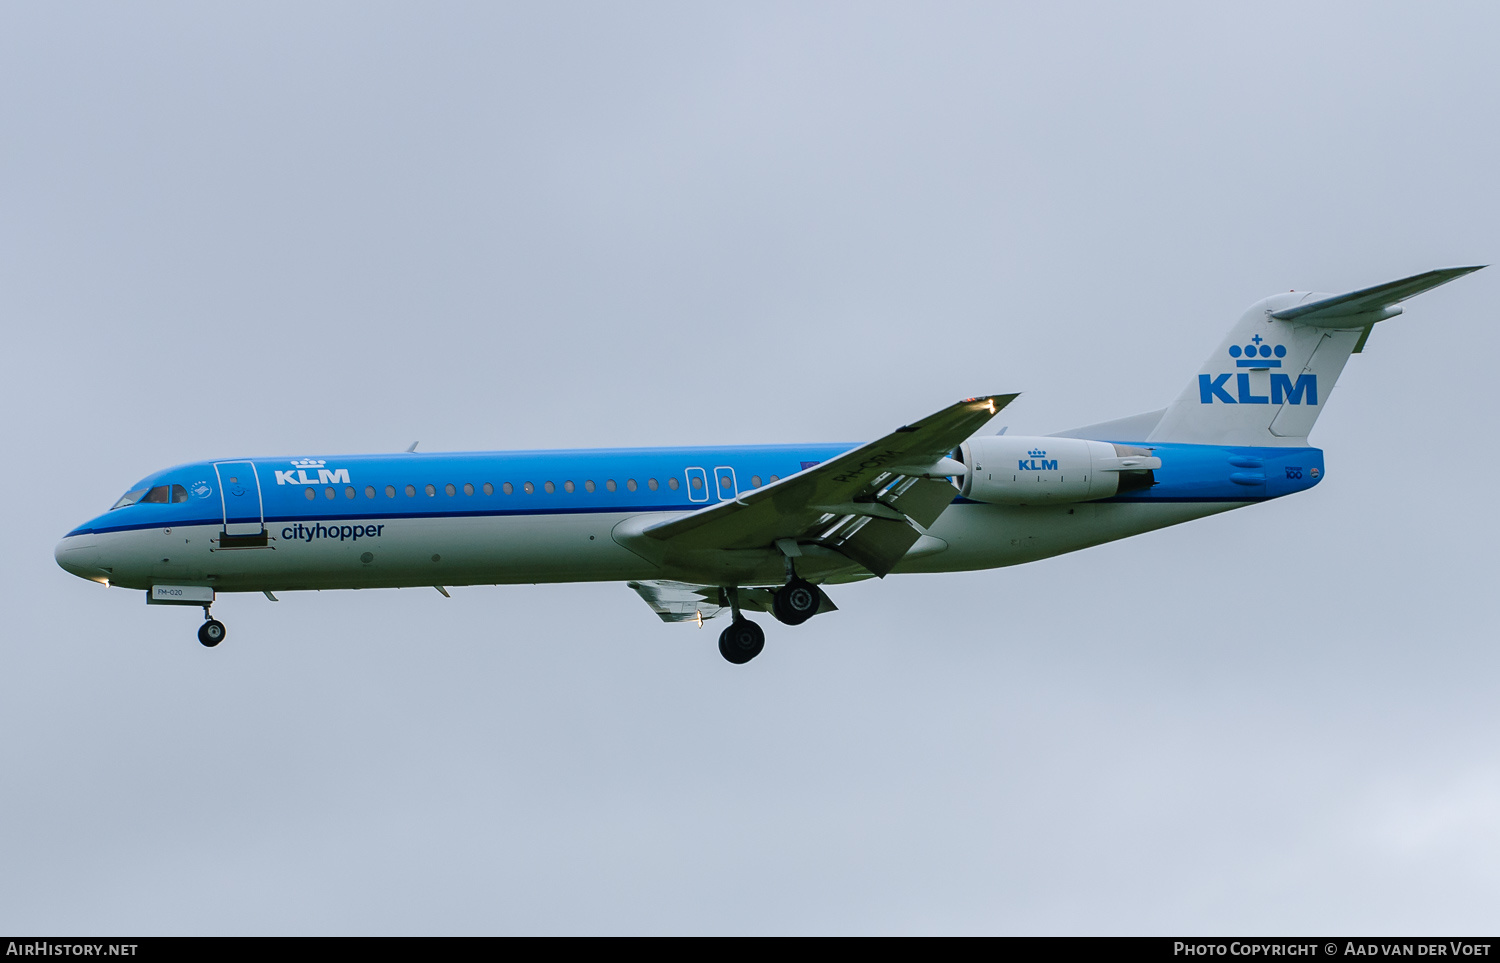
[[212, 631]]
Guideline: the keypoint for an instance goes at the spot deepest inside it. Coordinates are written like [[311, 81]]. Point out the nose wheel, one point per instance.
[[211, 632]]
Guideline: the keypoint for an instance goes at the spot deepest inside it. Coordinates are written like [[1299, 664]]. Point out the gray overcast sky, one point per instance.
[[291, 228]]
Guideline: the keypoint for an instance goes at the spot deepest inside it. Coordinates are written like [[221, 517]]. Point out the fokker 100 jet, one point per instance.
[[698, 531]]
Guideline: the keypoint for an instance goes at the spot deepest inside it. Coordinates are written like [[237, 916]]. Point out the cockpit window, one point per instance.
[[159, 495], [129, 498]]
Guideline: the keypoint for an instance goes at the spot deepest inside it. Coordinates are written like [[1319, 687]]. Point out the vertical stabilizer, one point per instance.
[[1269, 379]]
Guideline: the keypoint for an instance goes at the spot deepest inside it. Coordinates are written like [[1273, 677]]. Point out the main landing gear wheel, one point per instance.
[[742, 641], [795, 602], [211, 633]]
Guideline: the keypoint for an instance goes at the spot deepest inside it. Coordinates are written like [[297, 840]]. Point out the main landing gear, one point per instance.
[[742, 641], [794, 603], [212, 631]]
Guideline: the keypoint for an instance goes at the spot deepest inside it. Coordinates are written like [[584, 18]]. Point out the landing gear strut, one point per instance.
[[743, 640], [211, 632]]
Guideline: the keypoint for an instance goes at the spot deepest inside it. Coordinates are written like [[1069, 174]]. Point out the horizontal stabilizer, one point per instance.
[[1353, 310]]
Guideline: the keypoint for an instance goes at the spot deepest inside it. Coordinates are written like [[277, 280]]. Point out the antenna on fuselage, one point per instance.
[[413, 447]]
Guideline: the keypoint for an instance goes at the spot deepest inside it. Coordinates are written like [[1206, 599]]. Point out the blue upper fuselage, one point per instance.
[[418, 485]]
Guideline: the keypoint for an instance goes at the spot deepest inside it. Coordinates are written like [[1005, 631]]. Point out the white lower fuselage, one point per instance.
[[571, 548]]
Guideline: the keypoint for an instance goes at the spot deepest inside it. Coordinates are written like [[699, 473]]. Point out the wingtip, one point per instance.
[[995, 402]]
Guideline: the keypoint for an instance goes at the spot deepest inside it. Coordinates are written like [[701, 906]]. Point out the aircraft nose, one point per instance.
[[79, 555]]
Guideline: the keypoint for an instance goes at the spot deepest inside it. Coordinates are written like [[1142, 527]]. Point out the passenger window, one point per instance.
[[610, 484], [630, 484], [550, 487], [310, 493], [529, 488], [449, 489], [651, 484], [672, 483], [754, 481], [349, 492], [509, 489], [726, 481], [369, 491], [158, 495], [695, 482], [567, 486], [775, 479], [489, 489], [411, 491], [588, 486], [328, 492], [431, 490], [468, 488], [390, 491]]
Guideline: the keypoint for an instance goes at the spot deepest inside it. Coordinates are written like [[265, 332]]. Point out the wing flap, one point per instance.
[[923, 500], [876, 543]]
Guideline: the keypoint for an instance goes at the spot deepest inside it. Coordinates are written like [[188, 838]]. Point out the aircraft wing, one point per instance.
[[691, 602], [680, 601], [862, 503]]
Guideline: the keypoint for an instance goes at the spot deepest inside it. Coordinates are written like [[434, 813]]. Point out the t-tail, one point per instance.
[[1267, 382]]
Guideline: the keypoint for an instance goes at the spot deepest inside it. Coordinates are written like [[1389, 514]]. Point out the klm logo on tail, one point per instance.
[[1258, 357]]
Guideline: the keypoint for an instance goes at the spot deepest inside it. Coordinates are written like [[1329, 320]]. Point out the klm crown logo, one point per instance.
[[1258, 356], [309, 463], [1036, 460]]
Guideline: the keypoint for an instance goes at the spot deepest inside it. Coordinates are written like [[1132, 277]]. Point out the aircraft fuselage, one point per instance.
[[381, 521]]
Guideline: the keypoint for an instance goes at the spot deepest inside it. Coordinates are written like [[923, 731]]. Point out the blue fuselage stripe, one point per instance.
[[1189, 473]]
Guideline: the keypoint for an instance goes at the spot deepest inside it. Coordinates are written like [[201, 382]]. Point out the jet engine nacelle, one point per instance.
[[1017, 470]]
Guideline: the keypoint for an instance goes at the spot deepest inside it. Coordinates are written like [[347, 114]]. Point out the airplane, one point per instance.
[[700, 531]]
